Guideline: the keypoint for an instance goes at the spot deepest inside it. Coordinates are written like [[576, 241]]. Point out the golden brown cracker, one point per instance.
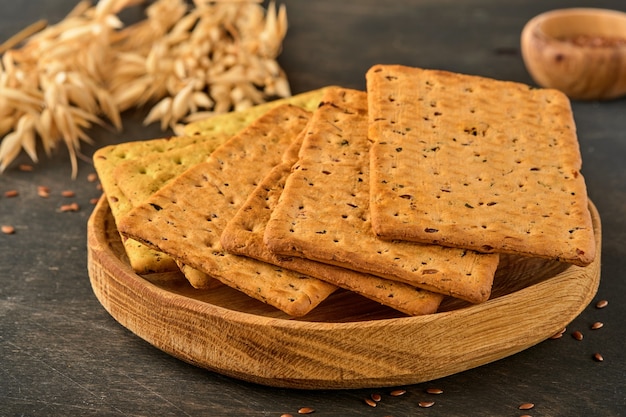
[[477, 163], [132, 171], [186, 217], [323, 213], [243, 235]]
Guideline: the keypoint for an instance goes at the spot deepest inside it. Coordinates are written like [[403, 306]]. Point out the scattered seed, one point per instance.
[[7, 229], [598, 357], [577, 335], [397, 392], [93, 177], [286, 415], [602, 304], [376, 397], [25, 167], [426, 404], [11, 193], [559, 334], [43, 191], [370, 402], [597, 325], [435, 391], [70, 207], [68, 193], [94, 201], [306, 410], [526, 406]]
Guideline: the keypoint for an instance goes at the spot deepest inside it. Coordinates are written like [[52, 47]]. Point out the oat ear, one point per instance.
[[183, 59]]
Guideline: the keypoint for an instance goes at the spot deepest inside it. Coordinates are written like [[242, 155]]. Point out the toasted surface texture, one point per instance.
[[130, 172], [323, 212], [476, 163], [186, 217], [243, 235]]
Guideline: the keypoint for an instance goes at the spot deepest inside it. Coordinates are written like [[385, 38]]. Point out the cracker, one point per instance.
[[142, 259], [186, 217], [323, 213], [243, 235], [472, 162], [132, 171], [139, 178], [231, 123]]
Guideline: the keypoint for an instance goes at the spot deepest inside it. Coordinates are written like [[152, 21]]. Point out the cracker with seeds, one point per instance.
[[186, 217], [477, 163], [323, 213], [243, 235], [132, 171]]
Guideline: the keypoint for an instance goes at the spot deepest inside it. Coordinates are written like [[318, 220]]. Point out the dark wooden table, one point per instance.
[[61, 354]]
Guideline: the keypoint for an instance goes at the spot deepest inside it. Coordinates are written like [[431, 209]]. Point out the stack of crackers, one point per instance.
[[406, 193]]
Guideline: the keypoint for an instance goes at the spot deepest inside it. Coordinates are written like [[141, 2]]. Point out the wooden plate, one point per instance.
[[347, 341]]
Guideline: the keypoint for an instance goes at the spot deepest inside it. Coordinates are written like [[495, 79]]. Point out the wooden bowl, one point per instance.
[[580, 51], [347, 341]]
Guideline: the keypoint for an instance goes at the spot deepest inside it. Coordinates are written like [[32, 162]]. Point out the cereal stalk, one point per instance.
[[57, 81]]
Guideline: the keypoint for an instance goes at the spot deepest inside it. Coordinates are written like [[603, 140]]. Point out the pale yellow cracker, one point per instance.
[[139, 178], [186, 217], [142, 259], [477, 163], [323, 213], [307, 100]]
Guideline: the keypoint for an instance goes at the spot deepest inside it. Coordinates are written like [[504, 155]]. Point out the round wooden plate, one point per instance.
[[347, 341]]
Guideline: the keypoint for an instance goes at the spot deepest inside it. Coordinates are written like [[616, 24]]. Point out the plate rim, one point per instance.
[[269, 362]]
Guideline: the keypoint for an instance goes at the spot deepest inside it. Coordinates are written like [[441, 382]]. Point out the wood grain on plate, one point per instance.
[[347, 341]]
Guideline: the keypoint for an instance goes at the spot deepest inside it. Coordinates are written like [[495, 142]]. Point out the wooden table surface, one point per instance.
[[61, 354]]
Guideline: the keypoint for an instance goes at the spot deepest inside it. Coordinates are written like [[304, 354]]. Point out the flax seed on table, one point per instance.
[[7, 229]]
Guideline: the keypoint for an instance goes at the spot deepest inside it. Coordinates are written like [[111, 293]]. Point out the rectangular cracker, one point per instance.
[[243, 235], [323, 213], [186, 217], [472, 162], [132, 171], [142, 259]]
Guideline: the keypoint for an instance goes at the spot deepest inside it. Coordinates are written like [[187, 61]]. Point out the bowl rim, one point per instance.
[[535, 24]]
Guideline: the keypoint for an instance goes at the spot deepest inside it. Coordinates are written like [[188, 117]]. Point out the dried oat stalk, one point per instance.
[[184, 61]]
